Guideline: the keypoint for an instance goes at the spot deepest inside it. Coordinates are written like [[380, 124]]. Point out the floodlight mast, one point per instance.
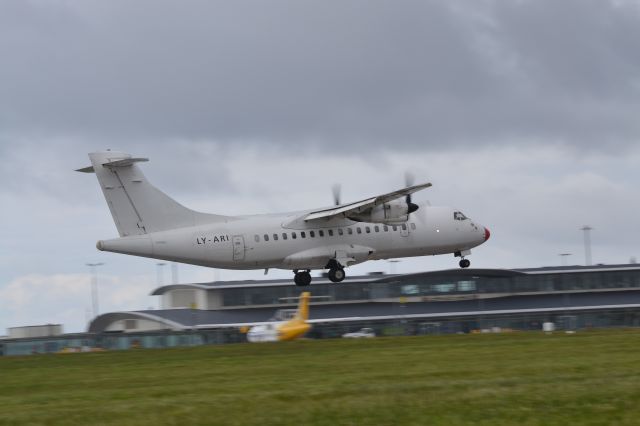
[[587, 244], [94, 287], [563, 257]]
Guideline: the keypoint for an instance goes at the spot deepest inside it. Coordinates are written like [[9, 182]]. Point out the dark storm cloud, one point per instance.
[[412, 73]]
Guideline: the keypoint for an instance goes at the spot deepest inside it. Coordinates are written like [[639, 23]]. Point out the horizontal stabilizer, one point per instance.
[[124, 162], [136, 205], [116, 163]]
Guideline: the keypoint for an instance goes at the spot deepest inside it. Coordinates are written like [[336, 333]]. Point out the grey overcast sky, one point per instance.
[[524, 114]]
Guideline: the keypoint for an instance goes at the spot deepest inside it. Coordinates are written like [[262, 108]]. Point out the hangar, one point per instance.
[[447, 301]]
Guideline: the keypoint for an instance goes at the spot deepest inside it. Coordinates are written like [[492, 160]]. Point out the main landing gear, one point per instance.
[[336, 271], [302, 278], [336, 274]]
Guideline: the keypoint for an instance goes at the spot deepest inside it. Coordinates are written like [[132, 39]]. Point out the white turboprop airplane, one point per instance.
[[286, 325], [151, 224]]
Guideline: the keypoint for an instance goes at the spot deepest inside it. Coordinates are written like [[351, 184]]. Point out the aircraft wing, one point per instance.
[[345, 210]]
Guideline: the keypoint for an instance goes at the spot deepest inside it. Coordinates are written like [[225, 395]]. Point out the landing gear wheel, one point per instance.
[[302, 278], [336, 275], [465, 263]]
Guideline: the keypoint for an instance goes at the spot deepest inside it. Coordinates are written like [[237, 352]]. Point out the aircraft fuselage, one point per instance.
[[273, 241]]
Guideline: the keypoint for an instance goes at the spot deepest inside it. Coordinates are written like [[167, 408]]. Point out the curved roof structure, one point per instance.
[[462, 273], [101, 322]]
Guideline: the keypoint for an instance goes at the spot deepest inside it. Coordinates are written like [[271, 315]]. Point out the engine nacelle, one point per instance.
[[391, 213]]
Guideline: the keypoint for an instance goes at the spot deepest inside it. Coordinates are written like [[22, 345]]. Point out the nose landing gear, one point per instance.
[[464, 263]]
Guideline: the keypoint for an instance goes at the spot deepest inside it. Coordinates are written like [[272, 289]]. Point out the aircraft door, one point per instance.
[[238, 247]]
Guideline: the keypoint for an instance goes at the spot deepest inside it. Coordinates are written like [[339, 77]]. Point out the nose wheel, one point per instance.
[[464, 263], [302, 278]]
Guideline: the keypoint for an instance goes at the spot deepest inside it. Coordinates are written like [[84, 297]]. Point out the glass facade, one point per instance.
[[434, 284]]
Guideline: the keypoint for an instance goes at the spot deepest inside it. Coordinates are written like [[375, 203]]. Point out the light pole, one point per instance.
[[174, 273], [94, 287], [392, 267], [587, 244], [160, 273], [563, 258]]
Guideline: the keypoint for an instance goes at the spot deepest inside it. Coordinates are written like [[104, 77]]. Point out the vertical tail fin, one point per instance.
[[136, 205], [303, 306]]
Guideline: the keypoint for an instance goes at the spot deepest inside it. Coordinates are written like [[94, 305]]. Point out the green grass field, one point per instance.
[[590, 378]]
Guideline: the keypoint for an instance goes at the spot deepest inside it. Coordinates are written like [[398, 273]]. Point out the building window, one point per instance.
[[266, 237], [284, 235], [257, 238], [130, 324]]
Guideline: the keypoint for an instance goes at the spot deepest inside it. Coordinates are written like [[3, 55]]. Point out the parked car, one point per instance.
[[363, 333]]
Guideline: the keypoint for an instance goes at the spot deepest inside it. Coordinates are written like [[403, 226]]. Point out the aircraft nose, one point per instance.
[[487, 234]]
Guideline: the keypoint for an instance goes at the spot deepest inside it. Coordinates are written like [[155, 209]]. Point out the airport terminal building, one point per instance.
[[448, 301]]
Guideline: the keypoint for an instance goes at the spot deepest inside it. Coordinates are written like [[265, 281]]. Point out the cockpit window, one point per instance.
[[459, 216]]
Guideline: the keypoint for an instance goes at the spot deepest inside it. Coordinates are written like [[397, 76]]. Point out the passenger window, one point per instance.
[[340, 231], [284, 235], [395, 228], [321, 233], [293, 235], [266, 237], [413, 226], [257, 238], [404, 226], [367, 229], [330, 232], [386, 228], [312, 234], [275, 237], [358, 230], [303, 234], [349, 231], [376, 228]]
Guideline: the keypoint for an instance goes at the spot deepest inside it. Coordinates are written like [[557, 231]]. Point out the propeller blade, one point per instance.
[[336, 193], [408, 181], [409, 178]]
